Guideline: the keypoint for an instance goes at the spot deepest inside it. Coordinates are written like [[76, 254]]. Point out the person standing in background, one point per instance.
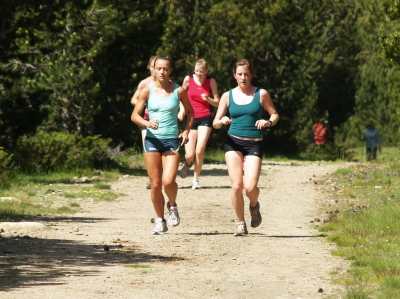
[[145, 82], [163, 141], [322, 132], [243, 147], [199, 87], [372, 140]]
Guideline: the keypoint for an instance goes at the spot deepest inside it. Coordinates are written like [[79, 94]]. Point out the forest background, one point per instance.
[[73, 66]]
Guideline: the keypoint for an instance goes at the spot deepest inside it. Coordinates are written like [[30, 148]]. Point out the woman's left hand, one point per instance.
[[204, 96], [262, 123]]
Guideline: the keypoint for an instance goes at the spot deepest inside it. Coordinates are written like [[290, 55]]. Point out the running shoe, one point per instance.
[[195, 184], [161, 227], [173, 219], [185, 170], [241, 229], [255, 215]]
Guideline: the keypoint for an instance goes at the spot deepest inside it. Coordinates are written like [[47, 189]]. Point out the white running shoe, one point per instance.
[[195, 184], [161, 227], [185, 170], [241, 229], [173, 219]]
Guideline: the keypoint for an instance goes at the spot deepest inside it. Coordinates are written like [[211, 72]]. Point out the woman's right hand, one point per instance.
[[153, 124], [225, 120]]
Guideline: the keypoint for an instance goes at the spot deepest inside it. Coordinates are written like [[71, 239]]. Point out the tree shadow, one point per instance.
[[207, 234], [206, 187], [26, 261], [301, 236], [211, 172], [252, 234], [216, 187]]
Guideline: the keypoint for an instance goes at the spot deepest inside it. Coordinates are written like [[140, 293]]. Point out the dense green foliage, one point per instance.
[[57, 151], [7, 168], [390, 41], [72, 66], [69, 65]]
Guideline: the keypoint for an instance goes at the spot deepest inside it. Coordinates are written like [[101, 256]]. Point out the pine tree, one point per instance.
[[76, 60]]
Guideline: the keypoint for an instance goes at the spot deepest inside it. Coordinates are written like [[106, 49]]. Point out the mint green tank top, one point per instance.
[[166, 111], [244, 117]]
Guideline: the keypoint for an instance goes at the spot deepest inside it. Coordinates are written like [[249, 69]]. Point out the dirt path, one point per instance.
[[109, 252]]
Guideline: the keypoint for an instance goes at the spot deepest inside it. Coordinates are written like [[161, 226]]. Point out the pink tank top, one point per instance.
[[201, 108]]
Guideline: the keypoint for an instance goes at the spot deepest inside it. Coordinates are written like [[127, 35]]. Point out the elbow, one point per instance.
[[216, 125], [190, 113], [215, 103], [133, 117]]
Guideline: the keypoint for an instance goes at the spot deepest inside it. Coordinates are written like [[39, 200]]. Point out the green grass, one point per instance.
[[51, 194], [211, 156], [70, 195], [367, 228], [387, 154], [58, 192], [97, 194], [27, 208], [102, 186]]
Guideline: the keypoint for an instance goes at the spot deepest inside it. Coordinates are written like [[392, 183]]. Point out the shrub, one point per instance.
[[46, 152], [7, 168]]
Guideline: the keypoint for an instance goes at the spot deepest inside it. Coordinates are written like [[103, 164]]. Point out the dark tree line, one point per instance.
[[72, 66]]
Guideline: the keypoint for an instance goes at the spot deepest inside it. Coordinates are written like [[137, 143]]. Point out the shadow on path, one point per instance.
[[27, 261]]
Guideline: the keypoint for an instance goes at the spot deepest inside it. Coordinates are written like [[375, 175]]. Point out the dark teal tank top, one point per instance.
[[244, 117]]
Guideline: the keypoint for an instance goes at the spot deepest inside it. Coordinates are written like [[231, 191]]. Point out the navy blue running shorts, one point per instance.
[[246, 147], [155, 145], [204, 121]]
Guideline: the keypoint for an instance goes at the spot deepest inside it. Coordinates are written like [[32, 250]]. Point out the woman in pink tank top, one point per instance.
[[203, 93]]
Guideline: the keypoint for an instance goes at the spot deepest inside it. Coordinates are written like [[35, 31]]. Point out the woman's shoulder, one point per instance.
[[263, 93], [262, 90], [226, 94], [179, 87]]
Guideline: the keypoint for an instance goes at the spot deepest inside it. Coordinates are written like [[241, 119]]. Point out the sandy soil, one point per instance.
[[108, 250]]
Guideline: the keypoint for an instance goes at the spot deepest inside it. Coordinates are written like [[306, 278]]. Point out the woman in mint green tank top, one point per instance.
[[163, 140], [243, 148]]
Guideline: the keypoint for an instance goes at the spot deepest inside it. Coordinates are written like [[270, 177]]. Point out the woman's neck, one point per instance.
[[198, 80], [247, 90], [162, 84]]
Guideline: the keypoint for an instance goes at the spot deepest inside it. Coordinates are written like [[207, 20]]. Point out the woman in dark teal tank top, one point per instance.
[[243, 148]]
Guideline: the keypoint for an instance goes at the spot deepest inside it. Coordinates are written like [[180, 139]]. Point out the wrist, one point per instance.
[[270, 122]]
